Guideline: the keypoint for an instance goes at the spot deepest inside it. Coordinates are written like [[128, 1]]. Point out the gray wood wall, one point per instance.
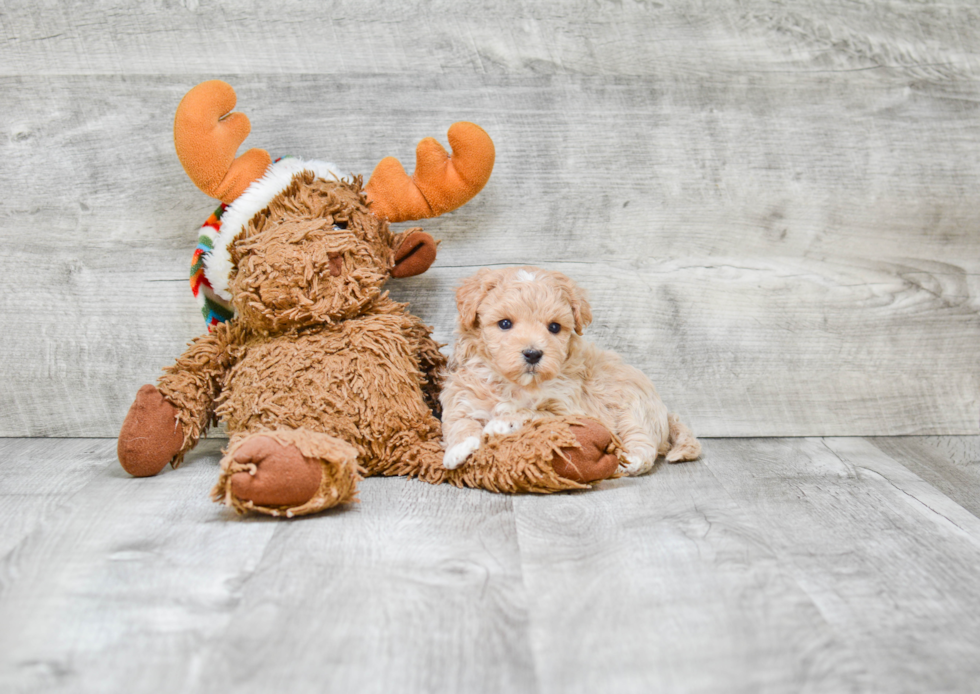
[[774, 206]]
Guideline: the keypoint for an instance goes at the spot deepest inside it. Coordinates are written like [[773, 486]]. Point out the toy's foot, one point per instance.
[[151, 434], [279, 475], [287, 472], [594, 461]]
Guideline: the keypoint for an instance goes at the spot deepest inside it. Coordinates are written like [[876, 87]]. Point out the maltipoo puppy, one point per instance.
[[519, 356]]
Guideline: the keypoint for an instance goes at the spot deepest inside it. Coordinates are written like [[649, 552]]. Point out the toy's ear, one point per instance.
[[415, 251], [471, 294], [576, 298]]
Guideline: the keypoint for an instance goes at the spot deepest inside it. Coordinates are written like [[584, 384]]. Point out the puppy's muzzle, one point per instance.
[[532, 356]]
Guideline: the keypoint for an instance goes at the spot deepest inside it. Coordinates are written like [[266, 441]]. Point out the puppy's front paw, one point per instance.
[[458, 454], [639, 463], [501, 426]]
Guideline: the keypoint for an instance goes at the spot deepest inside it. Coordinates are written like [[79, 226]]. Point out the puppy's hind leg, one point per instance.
[[683, 445], [641, 424]]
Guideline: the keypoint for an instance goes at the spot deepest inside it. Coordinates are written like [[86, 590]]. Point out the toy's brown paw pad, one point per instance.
[[591, 462], [151, 435], [279, 475]]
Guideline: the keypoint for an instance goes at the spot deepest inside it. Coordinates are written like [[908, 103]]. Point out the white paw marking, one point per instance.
[[502, 426], [458, 454], [638, 464]]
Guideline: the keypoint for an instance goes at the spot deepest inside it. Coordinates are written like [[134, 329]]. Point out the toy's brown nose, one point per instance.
[[532, 356]]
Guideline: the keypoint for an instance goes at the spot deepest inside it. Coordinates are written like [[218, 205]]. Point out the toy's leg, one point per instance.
[[287, 472], [414, 451], [546, 455], [151, 434]]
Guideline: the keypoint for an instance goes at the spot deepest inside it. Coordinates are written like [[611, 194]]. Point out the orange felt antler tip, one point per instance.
[[206, 137], [441, 182]]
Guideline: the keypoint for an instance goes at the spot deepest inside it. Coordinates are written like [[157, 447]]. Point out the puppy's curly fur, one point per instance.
[[519, 357]]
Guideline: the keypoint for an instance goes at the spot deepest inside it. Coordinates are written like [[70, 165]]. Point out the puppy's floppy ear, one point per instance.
[[471, 293], [575, 296]]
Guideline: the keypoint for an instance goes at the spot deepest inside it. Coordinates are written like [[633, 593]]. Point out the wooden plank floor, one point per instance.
[[772, 565]]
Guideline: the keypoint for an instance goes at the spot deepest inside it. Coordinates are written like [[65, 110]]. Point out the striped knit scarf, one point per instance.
[[215, 309]]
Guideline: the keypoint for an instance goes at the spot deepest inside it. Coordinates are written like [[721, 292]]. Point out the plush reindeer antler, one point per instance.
[[440, 183], [207, 136]]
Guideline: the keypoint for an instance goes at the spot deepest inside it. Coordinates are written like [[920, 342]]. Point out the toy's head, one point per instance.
[[294, 244]]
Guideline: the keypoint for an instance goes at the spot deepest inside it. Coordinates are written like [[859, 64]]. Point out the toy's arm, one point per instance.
[[166, 421], [432, 363], [194, 381]]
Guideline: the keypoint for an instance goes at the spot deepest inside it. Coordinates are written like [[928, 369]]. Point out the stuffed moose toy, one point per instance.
[[320, 377]]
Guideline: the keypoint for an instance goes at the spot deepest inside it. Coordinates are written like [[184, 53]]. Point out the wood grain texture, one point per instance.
[[888, 559], [418, 588], [816, 565], [743, 331], [772, 565], [774, 208], [665, 583], [951, 465], [145, 584], [123, 579], [498, 36], [37, 476]]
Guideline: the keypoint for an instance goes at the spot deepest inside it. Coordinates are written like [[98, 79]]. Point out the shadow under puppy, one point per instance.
[[519, 357]]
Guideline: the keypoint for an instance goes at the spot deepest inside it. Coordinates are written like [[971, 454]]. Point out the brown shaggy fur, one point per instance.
[[319, 357]]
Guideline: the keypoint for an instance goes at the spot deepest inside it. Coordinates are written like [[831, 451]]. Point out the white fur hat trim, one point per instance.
[[255, 198]]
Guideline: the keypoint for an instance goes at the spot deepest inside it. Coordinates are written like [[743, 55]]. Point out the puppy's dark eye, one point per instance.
[[554, 328], [504, 324]]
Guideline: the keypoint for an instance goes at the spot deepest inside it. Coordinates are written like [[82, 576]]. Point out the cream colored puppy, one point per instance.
[[519, 356]]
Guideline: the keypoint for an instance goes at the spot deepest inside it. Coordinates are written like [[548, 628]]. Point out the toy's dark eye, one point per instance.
[[504, 324], [554, 328]]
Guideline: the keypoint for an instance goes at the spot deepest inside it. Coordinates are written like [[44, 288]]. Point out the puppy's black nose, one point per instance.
[[532, 356]]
